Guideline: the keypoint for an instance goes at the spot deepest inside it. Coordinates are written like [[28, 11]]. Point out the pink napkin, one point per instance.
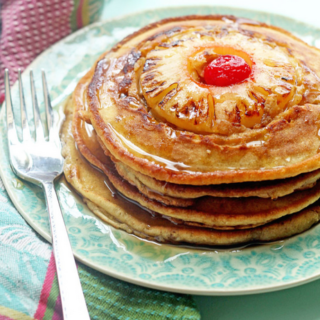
[[31, 26]]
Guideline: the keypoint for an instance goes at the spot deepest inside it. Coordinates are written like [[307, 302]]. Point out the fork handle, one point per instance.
[[72, 299]]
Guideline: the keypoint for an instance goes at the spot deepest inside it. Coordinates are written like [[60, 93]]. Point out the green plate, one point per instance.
[[179, 269]]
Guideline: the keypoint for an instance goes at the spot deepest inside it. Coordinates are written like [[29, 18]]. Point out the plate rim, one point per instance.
[[112, 273]]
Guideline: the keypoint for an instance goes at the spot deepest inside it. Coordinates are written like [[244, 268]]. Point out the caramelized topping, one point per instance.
[[209, 79]]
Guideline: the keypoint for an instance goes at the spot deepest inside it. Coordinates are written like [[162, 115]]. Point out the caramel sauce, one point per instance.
[[155, 220], [174, 166], [135, 209], [88, 135], [144, 215]]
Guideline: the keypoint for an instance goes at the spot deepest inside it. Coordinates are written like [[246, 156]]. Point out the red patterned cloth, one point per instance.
[[31, 26]]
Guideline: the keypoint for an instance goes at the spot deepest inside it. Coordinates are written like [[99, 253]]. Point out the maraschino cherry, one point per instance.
[[226, 70]]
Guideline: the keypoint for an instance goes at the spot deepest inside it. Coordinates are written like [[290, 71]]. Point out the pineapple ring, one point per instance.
[[260, 140], [172, 85]]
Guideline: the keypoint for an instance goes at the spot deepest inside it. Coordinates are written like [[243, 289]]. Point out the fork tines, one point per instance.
[[11, 127]]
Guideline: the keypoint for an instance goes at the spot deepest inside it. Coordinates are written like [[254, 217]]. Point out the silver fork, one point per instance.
[[39, 161]]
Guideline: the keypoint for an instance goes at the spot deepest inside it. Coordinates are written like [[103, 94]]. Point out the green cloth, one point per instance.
[[108, 298]]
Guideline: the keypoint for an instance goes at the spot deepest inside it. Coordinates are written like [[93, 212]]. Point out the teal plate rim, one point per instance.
[[255, 269]]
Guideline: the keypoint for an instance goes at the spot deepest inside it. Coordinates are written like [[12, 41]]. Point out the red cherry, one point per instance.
[[226, 70]]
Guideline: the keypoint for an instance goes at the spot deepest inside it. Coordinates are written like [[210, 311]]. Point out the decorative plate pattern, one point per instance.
[[180, 269]]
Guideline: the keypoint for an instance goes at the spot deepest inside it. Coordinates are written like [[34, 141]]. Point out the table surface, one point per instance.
[[297, 303]]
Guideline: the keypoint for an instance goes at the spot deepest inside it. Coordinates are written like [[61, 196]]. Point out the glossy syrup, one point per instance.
[[174, 166], [153, 219]]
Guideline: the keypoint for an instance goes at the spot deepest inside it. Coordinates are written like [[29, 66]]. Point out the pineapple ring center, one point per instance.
[[203, 57]]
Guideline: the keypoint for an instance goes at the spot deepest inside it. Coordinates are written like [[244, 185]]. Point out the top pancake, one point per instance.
[[148, 106]]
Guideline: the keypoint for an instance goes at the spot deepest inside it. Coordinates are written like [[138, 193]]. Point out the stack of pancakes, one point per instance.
[[157, 152]]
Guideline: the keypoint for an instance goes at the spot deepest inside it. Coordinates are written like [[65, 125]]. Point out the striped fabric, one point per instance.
[[108, 298], [49, 303], [31, 26], [9, 314]]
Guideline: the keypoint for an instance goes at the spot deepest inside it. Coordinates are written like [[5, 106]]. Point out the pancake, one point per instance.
[[149, 106], [98, 193], [162, 230], [212, 212], [158, 150], [264, 189]]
